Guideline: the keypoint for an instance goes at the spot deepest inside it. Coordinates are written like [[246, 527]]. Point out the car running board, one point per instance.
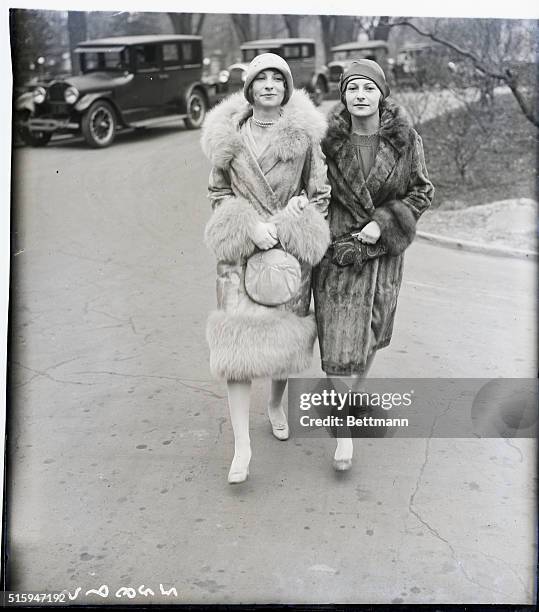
[[157, 121]]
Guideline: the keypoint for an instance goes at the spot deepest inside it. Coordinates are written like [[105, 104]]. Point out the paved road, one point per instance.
[[122, 442]]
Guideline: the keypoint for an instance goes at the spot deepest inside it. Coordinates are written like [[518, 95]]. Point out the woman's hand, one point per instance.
[[296, 205], [264, 235], [370, 233]]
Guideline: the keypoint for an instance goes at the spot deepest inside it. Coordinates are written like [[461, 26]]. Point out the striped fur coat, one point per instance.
[[355, 310]]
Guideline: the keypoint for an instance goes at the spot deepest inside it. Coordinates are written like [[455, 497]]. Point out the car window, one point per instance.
[[146, 56], [110, 60], [249, 54], [291, 51], [191, 53], [307, 50], [171, 54]]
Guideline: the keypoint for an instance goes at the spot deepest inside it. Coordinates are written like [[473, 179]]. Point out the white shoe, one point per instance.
[[342, 461], [239, 468], [279, 428]]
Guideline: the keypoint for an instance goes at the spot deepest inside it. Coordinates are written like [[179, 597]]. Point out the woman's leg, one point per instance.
[[342, 460], [239, 399], [276, 413]]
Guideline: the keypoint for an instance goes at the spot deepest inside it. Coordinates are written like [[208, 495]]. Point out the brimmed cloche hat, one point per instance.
[[267, 61], [364, 69]]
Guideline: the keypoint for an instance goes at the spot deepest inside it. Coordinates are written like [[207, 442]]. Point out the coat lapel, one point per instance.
[[394, 136]]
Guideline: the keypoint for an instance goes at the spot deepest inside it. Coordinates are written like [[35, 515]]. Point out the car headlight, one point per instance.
[[39, 95], [71, 95]]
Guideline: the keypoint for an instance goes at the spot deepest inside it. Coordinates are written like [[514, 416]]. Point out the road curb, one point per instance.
[[476, 247]]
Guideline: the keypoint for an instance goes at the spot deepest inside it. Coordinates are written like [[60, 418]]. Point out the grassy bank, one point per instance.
[[476, 156]]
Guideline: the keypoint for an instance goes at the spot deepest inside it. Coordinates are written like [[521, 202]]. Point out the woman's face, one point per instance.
[[362, 97], [268, 89]]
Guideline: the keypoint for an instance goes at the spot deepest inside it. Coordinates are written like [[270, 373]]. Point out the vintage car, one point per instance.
[[128, 81], [342, 55], [422, 64], [300, 54]]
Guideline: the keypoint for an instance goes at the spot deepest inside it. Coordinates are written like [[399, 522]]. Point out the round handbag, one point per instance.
[[272, 277]]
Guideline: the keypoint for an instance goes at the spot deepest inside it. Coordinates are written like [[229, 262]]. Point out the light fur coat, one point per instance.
[[248, 340]]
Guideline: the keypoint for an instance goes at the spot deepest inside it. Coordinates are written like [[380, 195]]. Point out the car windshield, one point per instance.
[[249, 54], [106, 60], [352, 54]]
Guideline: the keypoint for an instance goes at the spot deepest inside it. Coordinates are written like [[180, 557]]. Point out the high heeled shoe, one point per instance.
[[279, 429], [239, 471]]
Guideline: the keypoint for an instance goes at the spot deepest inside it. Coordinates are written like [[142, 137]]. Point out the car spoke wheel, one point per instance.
[[196, 110], [99, 124]]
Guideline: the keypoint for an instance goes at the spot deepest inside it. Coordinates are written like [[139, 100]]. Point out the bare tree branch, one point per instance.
[[506, 75]]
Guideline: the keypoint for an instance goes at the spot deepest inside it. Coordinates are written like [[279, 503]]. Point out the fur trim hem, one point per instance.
[[397, 224], [300, 126], [247, 346], [307, 237], [228, 232]]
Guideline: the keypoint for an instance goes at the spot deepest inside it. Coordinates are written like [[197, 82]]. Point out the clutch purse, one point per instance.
[[348, 251], [272, 277]]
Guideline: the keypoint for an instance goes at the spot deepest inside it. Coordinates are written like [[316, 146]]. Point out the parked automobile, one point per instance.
[[299, 53], [420, 64], [344, 54], [127, 81]]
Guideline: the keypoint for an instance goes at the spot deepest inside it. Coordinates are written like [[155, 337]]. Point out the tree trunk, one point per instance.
[[182, 23], [382, 29], [327, 25], [77, 28], [242, 27], [336, 30], [292, 25]]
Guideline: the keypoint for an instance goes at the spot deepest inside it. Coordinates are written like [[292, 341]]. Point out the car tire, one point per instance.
[[196, 110], [319, 92], [34, 139], [98, 124]]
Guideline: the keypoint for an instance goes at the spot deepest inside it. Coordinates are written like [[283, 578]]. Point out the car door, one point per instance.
[[171, 74], [143, 97]]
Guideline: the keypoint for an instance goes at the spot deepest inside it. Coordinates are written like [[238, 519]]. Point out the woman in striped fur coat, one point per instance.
[[379, 189]]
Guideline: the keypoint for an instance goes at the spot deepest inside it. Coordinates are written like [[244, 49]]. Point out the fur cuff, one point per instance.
[[228, 232], [397, 224], [306, 237]]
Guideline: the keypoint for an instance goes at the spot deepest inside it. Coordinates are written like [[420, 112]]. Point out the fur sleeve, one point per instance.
[[228, 232], [307, 237], [398, 218]]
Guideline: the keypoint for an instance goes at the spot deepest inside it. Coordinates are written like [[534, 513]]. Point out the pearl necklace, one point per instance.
[[263, 124]]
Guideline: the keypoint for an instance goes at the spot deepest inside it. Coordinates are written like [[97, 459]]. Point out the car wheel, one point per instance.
[[196, 110], [318, 93], [99, 124], [34, 139]]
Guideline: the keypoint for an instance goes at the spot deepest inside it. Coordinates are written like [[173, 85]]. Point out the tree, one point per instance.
[[184, 23], [292, 25], [490, 51], [337, 29], [242, 26], [78, 31], [32, 34]]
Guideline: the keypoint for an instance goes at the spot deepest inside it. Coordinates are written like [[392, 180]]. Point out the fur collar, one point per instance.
[[300, 125], [395, 127]]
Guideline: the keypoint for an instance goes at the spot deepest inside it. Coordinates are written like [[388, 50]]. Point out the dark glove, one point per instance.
[[348, 251]]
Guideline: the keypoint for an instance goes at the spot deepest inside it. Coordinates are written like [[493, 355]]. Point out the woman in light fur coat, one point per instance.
[[268, 184], [379, 189]]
